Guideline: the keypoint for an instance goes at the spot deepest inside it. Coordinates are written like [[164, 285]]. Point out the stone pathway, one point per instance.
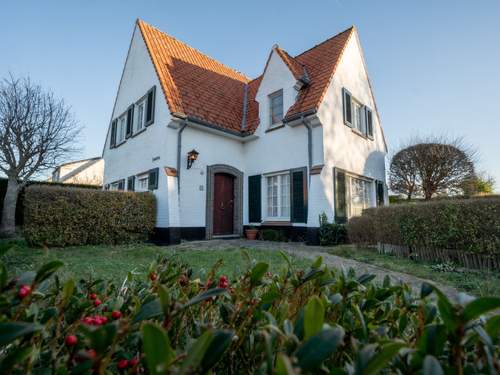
[[312, 252]]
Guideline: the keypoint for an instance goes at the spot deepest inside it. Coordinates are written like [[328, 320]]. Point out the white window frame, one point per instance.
[[121, 128], [140, 119], [280, 197], [271, 97], [358, 116], [140, 180], [114, 186], [367, 198]]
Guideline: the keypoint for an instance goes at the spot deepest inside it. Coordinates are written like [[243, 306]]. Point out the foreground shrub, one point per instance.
[[312, 321], [273, 235], [59, 216], [465, 224], [331, 234]]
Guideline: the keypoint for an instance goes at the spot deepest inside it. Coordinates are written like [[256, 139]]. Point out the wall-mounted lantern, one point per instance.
[[191, 157]]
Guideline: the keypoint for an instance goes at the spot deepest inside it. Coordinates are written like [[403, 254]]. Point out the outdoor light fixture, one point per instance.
[[192, 156]]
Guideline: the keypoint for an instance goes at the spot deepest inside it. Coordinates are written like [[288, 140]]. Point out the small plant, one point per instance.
[[273, 235], [331, 234], [444, 267]]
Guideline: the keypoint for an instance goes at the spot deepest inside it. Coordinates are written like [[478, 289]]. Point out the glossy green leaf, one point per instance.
[[10, 331], [382, 358], [3, 275], [432, 340], [257, 273], [318, 348], [164, 298], [15, 357], [149, 310], [314, 317], [493, 326], [480, 306], [317, 263], [432, 366], [196, 353], [68, 290], [47, 270], [157, 349], [284, 365], [100, 338], [366, 278], [221, 341], [210, 293]]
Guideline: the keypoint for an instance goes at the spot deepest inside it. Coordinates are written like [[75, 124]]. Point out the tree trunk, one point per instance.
[[8, 225]]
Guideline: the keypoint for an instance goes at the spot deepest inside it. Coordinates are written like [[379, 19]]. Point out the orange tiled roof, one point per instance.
[[200, 87]]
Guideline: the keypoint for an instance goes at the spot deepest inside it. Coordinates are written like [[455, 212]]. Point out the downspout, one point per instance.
[[308, 126], [179, 150]]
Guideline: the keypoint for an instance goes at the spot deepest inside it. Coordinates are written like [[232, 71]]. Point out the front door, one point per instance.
[[223, 204]]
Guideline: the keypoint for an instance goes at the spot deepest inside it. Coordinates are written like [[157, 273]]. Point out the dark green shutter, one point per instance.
[[298, 178], [153, 179], [150, 106], [340, 197], [347, 107], [369, 122], [254, 199], [380, 193], [121, 185], [130, 121], [131, 183], [112, 142]]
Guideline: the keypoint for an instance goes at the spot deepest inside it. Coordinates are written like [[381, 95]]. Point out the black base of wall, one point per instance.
[[296, 234], [174, 235]]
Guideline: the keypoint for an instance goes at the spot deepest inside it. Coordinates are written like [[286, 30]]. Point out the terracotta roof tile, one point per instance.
[[198, 86]]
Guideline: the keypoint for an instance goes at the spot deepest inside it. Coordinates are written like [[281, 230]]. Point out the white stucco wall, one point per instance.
[[154, 147], [92, 175], [343, 148]]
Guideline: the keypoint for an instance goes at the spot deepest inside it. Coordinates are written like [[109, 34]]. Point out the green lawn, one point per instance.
[[479, 283], [114, 262]]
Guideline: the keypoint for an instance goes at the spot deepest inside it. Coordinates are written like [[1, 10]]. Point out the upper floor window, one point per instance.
[[122, 128], [141, 105], [357, 115], [276, 107]]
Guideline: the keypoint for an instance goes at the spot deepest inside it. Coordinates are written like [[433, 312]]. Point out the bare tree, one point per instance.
[[436, 165], [403, 173], [37, 132]]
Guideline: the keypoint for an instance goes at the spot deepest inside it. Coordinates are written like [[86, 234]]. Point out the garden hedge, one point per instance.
[[467, 225], [61, 216]]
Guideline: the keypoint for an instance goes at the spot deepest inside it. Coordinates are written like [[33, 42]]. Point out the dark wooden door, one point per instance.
[[223, 204]]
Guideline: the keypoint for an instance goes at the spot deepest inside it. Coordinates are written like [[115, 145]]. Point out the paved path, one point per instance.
[[312, 252]]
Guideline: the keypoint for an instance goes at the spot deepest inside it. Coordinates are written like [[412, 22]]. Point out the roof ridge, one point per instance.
[[349, 29], [194, 49]]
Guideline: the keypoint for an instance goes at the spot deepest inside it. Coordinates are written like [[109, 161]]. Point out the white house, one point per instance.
[[86, 171], [222, 151]]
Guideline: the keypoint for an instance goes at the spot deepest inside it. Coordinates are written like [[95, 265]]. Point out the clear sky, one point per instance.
[[435, 65]]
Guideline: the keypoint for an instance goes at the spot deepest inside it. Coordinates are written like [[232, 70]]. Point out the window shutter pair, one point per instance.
[[254, 199], [130, 121], [340, 197], [369, 122], [150, 106], [112, 142], [347, 106], [380, 193], [298, 183], [153, 179], [131, 183]]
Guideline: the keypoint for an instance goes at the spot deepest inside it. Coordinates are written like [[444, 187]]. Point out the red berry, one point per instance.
[[122, 364], [104, 319], [153, 276], [97, 302], [223, 282], [93, 296], [91, 353], [116, 314], [133, 362], [24, 291], [71, 340]]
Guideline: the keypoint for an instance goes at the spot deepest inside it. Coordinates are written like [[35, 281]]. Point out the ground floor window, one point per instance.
[[278, 196], [352, 195], [142, 183]]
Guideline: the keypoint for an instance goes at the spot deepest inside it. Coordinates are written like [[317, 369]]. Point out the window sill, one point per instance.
[[275, 127], [276, 222], [357, 132], [138, 132], [119, 144]]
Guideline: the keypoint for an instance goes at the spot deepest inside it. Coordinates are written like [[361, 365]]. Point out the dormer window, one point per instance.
[[276, 107]]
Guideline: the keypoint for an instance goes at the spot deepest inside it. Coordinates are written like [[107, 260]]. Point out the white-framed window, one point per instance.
[[113, 186], [140, 112], [358, 116], [122, 128], [276, 107], [359, 195], [142, 182], [278, 196]]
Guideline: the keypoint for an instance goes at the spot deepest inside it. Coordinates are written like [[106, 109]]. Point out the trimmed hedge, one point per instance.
[[60, 216], [467, 225]]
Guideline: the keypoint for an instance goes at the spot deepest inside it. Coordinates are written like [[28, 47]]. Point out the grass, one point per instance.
[[114, 262], [475, 282]]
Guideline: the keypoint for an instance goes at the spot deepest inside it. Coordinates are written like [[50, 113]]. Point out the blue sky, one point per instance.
[[435, 65]]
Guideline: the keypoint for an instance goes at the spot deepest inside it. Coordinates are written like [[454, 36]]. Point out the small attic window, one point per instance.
[[276, 107]]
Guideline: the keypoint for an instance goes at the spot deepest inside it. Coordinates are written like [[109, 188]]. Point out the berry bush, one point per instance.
[[318, 321]]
